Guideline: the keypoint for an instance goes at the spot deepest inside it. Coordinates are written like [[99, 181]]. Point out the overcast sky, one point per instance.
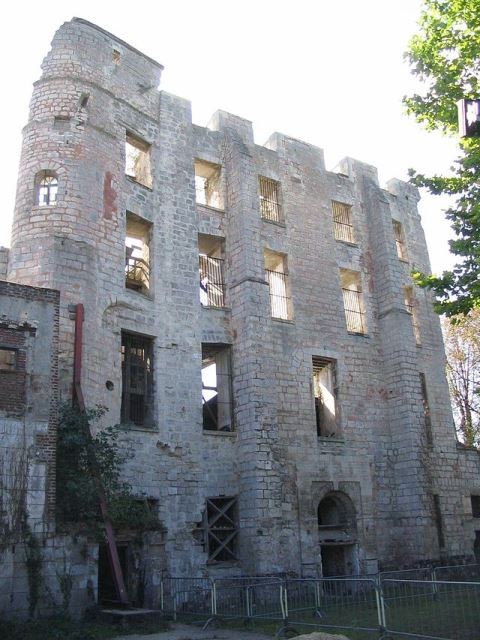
[[330, 73]]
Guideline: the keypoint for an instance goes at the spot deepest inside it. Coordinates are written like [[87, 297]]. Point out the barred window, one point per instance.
[[342, 222], [277, 278], [212, 282], [412, 310], [137, 379], [353, 301], [221, 529], [325, 394], [216, 387], [270, 206], [399, 240]]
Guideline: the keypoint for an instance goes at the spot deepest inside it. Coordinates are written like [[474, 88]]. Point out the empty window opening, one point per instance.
[[46, 189], [426, 408], [325, 394], [137, 379], [270, 205], [337, 535], [277, 277], [212, 283], [342, 222], [412, 310], [137, 253], [437, 515], [137, 160], [399, 239], [208, 187], [353, 301], [221, 529], [116, 56], [475, 500], [216, 387], [8, 359]]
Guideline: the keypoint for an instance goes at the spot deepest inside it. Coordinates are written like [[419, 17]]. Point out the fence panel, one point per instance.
[[335, 603], [461, 572], [439, 610]]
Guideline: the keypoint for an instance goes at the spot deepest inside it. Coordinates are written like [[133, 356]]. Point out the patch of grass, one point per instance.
[[65, 629]]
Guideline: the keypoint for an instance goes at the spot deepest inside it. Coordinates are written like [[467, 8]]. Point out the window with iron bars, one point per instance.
[[212, 283], [342, 222], [137, 379], [221, 529], [217, 388], [270, 206], [411, 308], [325, 395], [46, 189], [277, 278], [137, 253], [399, 240], [353, 301]]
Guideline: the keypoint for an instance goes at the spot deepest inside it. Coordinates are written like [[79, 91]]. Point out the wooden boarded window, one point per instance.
[[270, 206], [342, 222], [221, 529]]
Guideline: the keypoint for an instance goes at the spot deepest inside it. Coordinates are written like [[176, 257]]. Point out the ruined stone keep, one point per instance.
[[250, 321]]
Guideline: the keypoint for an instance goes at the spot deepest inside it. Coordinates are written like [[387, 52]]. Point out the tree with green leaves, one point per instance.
[[462, 346], [445, 56]]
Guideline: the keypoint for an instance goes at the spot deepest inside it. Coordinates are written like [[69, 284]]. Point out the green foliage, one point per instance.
[[445, 56], [78, 455], [33, 563]]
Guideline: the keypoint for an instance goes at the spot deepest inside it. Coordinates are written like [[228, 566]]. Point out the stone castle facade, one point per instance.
[[250, 321]]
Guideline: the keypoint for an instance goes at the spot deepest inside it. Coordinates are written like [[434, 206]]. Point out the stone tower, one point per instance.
[[251, 276]]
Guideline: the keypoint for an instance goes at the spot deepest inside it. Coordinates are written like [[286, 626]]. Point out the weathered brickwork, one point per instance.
[[350, 500]]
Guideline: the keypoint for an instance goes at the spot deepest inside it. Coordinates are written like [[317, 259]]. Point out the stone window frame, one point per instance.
[[141, 174], [46, 180], [330, 366], [4, 365], [270, 199], [217, 416], [353, 302], [475, 502], [343, 229], [137, 380], [400, 242]]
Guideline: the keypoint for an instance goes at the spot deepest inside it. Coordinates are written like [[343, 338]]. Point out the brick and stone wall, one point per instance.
[[383, 462]]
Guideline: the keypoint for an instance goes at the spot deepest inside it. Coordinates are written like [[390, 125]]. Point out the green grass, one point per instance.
[[63, 629]]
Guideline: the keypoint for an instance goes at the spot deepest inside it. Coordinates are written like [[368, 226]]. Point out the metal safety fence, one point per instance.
[[370, 607]]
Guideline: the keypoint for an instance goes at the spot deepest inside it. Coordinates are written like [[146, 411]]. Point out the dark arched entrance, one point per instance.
[[337, 535]]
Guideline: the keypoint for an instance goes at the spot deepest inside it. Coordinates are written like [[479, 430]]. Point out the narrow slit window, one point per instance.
[[277, 277], [137, 379], [137, 253], [270, 205], [412, 310], [353, 301], [325, 394], [216, 388], [221, 529], [426, 408], [342, 222], [137, 160], [399, 239]]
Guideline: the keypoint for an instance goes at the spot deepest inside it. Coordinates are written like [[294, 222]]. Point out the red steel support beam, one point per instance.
[[79, 401]]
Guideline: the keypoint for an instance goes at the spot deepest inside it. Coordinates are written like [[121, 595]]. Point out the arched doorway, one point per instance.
[[337, 535]]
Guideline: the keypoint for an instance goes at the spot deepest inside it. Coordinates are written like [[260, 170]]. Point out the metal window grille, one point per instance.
[[399, 240], [279, 299], [221, 529], [137, 379], [354, 315], [47, 191], [216, 388], [212, 285], [342, 222], [270, 207]]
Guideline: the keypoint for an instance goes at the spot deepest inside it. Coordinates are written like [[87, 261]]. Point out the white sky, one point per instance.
[[330, 73]]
